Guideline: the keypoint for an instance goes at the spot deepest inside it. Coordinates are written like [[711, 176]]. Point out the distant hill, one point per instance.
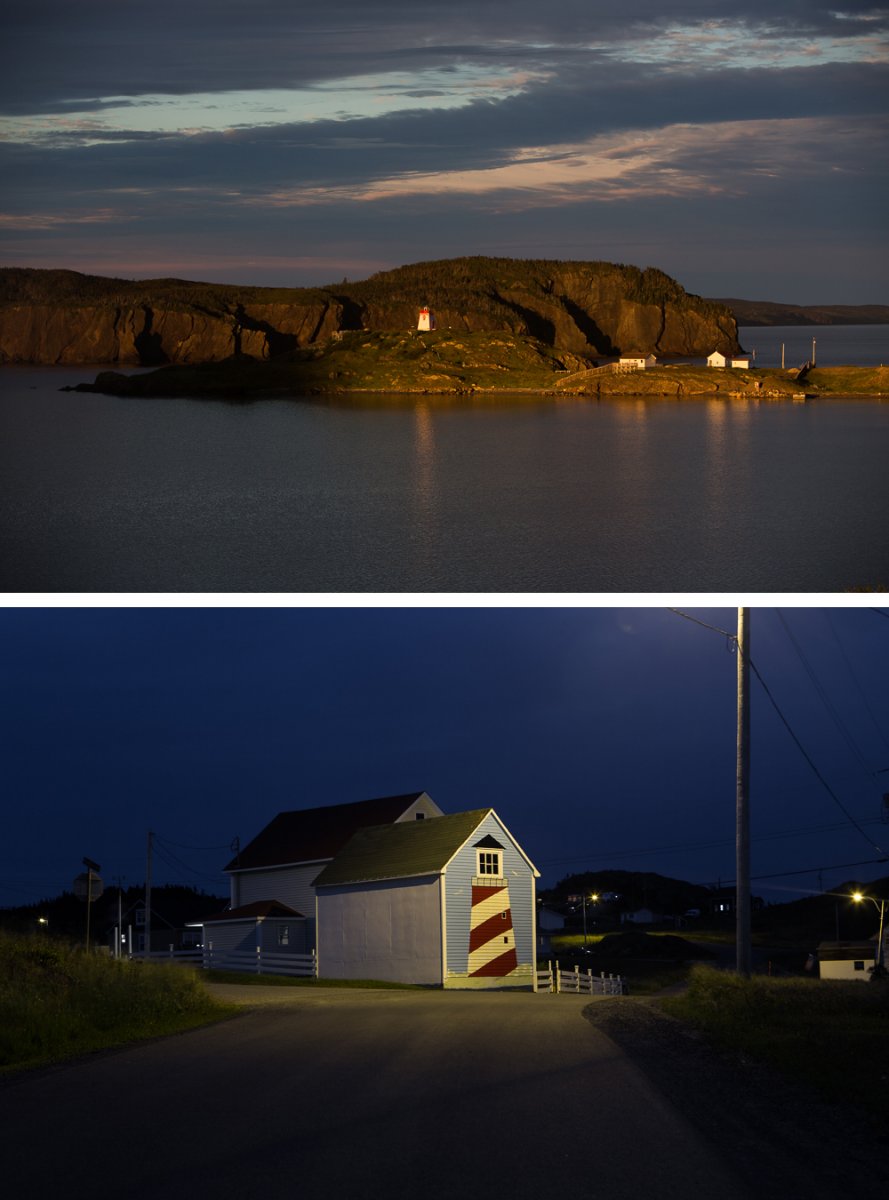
[[584, 308], [767, 312]]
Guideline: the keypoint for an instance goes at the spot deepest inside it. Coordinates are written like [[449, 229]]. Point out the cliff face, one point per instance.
[[586, 308]]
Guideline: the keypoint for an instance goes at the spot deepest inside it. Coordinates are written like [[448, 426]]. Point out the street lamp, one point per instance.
[[880, 905], [594, 897]]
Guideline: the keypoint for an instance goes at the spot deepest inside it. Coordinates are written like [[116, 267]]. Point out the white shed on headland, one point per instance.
[[738, 361], [635, 360]]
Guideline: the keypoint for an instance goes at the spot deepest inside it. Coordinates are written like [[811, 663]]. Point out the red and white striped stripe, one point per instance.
[[491, 936]]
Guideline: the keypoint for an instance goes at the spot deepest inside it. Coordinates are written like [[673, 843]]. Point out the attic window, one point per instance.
[[489, 862], [420, 816]]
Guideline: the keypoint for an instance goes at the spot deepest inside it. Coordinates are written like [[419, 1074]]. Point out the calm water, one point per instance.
[[835, 345], [101, 494]]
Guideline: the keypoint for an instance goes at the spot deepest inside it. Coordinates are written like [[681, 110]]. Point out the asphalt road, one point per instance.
[[360, 1094]]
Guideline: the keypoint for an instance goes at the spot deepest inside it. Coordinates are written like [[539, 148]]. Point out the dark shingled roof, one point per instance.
[[401, 851], [315, 834], [259, 908]]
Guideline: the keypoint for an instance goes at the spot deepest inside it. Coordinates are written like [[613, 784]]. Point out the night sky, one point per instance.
[[604, 737], [741, 148]]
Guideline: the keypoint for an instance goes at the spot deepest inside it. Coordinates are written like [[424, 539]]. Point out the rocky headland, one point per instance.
[[585, 309]]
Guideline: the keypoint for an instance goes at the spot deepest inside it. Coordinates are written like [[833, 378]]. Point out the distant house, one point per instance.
[[846, 960], [740, 362], [281, 863], [264, 925], [716, 359], [634, 360], [448, 902], [641, 916]]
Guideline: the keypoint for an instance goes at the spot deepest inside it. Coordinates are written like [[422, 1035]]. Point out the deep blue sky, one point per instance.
[[740, 147], [603, 737]]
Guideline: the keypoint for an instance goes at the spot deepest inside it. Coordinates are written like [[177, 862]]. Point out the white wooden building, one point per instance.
[[281, 863], [740, 362], [635, 360], [447, 902], [264, 926], [846, 960]]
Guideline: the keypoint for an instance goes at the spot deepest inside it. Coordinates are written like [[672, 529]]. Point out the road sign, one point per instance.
[[88, 887]]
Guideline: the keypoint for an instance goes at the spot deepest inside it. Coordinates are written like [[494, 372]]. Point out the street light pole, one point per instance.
[[880, 906], [742, 800]]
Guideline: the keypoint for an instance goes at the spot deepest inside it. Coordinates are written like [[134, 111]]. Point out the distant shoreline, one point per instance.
[[254, 380]]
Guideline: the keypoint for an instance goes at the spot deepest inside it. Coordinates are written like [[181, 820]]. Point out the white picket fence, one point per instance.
[[552, 978], [262, 962], [258, 962]]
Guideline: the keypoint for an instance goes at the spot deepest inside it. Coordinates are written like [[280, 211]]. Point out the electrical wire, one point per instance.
[[852, 821], [826, 701], [807, 757], [695, 621], [854, 678]]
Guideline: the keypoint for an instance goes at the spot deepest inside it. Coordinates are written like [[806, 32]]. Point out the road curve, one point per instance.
[[354, 1095]]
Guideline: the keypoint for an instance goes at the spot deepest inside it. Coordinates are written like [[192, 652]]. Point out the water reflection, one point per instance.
[[425, 526]]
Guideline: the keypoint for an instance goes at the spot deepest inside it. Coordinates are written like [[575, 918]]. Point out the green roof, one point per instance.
[[403, 850]]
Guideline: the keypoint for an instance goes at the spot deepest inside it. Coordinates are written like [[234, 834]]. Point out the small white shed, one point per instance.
[[846, 960], [635, 360], [716, 359]]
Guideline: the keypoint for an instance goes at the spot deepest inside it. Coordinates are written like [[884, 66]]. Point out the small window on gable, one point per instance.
[[420, 816], [489, 862]]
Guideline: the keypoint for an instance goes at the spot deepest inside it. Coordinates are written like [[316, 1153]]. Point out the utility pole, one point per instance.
[[742, 800], [148, 895]]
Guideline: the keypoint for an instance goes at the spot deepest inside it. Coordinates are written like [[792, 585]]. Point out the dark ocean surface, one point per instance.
[[99, 494]]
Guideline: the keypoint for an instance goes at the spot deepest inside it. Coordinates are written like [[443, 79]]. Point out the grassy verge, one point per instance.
[[254, 980], [833, 1036], [57, 1002]]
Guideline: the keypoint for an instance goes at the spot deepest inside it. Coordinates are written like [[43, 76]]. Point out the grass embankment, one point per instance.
[[57, 1002], [834, 1036]]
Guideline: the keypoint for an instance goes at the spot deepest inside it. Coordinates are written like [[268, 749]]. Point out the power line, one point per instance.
[[806, 756], [825, 699], [732, 637], [854, 679], [708, 845], [786, 723]]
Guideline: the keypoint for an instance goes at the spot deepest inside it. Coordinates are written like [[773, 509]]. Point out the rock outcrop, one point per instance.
[[590, 309]]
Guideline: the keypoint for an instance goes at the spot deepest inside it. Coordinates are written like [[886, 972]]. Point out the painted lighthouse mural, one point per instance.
[[492, 949]]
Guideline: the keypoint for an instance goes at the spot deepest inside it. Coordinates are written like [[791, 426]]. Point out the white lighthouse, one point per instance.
[[427, 319]]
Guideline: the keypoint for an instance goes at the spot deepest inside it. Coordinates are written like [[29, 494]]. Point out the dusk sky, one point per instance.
[[603, 737], [741, 148]]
